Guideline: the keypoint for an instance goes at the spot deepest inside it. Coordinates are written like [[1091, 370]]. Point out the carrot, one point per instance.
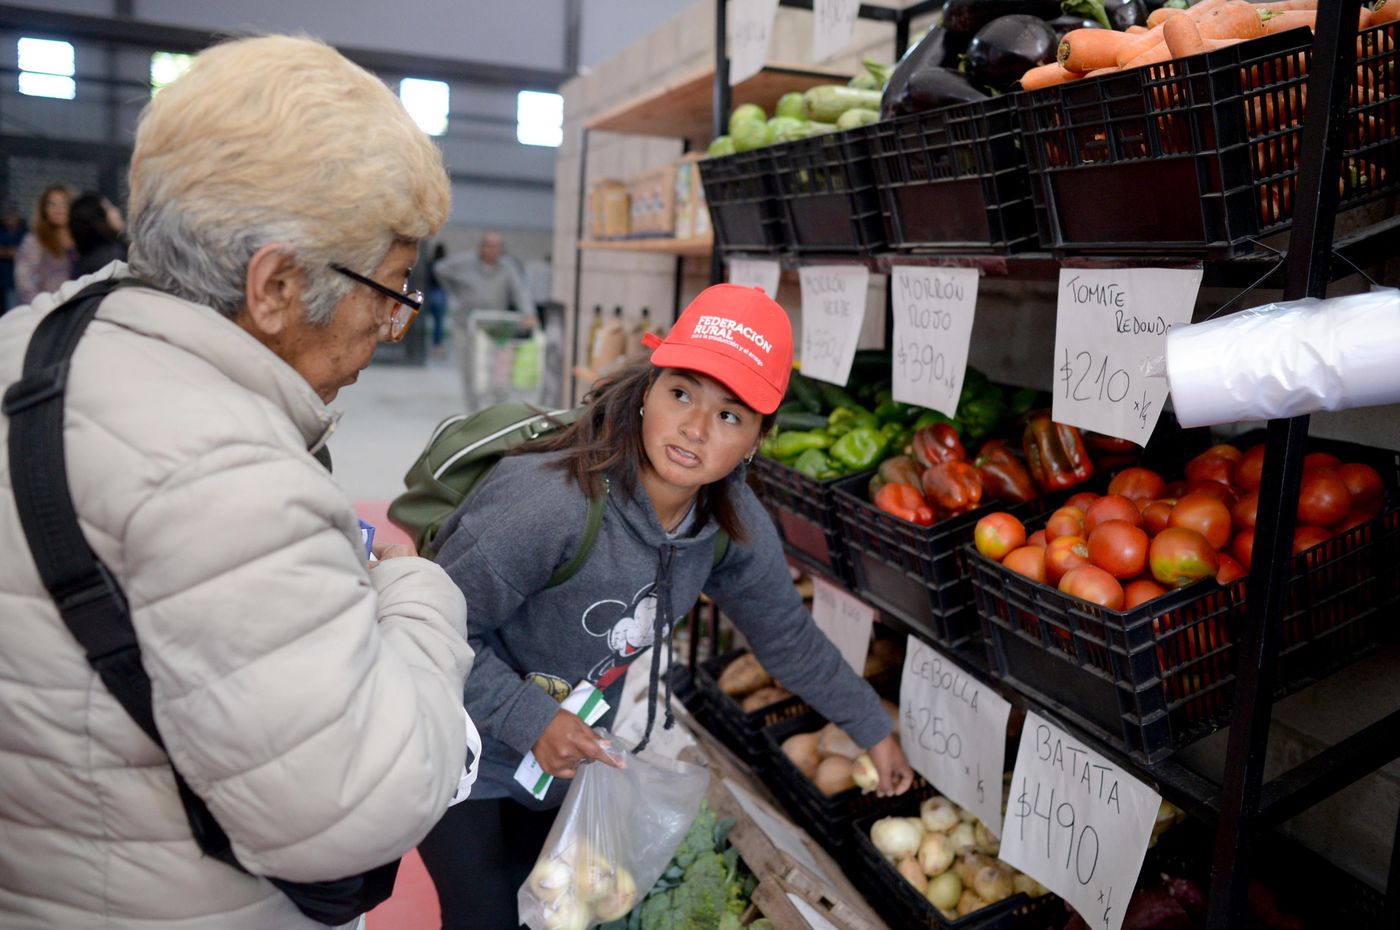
[[1140, 44], [1284, 6], [1100, 72], [1089, 49], [1182, 37], [1047, 76], [1213, 44], [1387, 12], [1293, 19], [1154, 55], [1233, 22], [1137, 30], [1160, 15], [1200, 10]]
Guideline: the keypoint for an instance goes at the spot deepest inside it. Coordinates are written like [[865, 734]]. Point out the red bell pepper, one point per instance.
[[938, 443], [1004, 478], [1055, 453], [953, 486], [1111, 453], [904, 501]]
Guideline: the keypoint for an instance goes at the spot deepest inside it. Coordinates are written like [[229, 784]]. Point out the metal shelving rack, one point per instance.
[[1244, 805]]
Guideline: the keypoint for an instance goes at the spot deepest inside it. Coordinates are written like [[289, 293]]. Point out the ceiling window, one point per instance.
[[427, 102], [46, 68], [539, 118], [167, 66]]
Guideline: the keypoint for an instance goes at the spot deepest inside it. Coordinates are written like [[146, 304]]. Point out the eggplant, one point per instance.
[[1125, 13], [932, 51], [1068, 23], [968, 16], [929, 89], [1007, 48]]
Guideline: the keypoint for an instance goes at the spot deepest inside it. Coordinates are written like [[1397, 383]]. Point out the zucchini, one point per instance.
[[826, 102], [800, 421]]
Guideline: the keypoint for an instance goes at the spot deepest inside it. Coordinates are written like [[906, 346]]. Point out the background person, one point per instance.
[[315, 705], [12, 230], [96, 228], [46, 256]]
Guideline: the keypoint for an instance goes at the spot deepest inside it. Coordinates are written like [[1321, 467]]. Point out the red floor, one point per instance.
[[414, 904]]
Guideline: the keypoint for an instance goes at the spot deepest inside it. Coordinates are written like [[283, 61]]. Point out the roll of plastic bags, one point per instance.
[[1287, 359], [613, 837]]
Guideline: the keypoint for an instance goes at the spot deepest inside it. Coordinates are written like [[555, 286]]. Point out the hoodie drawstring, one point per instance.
[[661, 629]]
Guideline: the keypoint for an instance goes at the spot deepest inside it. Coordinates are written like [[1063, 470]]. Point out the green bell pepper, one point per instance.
[[792, 444], [1021, 402], [980, 416], [860, 448], [845, 419], [815, 464], [932, 418], [890, 410]]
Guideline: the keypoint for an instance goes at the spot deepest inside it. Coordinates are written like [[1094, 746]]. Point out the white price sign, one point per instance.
[[833, 311], [833, 23], [1108, 324], [933, 314], [846, 621], [1077, 823], [953, 730], [751, 272], [750, 28]]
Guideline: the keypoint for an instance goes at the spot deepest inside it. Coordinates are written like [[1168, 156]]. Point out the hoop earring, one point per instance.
[[641, 411], [748, 459]]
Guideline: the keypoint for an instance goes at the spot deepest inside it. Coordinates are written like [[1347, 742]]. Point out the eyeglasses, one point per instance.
[[410, 302]]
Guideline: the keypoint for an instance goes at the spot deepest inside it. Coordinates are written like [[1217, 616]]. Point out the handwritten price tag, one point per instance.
[[1109, 322], [750, 28], [833, 22], [953, 730], [752, 272], [833, 310], [1077, 823], [933, 313], [846, 621]]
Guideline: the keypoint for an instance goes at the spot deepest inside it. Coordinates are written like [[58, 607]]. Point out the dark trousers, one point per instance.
[[479, 855]]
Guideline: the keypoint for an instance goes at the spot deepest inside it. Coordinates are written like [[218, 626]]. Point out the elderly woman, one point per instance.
[[314, 704]]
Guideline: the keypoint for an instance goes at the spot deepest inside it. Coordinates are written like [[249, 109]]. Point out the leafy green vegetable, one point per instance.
[[1088, 9]]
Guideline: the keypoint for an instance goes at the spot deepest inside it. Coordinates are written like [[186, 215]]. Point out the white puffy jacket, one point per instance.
[[315, 706]]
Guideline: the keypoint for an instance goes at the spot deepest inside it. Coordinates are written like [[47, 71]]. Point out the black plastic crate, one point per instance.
[[1162, 675], [804, 512], [902, 906], [826, 817], [915, 573], [1200, 154], [740, 730], [954, 179], [741, 193], [825, 187]]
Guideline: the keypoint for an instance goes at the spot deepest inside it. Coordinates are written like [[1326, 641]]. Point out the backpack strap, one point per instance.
[[721, 547], [596, 506]]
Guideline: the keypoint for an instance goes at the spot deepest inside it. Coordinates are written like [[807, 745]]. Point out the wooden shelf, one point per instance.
[[699, 247], [683, 108]]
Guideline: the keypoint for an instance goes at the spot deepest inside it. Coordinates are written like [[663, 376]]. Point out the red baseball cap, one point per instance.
[[737, 335]]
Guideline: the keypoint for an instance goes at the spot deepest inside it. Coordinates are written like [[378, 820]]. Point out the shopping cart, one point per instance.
[[504, 361]]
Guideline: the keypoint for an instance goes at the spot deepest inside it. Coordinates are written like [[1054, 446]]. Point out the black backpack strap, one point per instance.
[[92, 604]]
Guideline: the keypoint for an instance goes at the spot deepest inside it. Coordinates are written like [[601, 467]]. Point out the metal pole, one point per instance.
[[721, 106], [571, 331], [1307, 274]]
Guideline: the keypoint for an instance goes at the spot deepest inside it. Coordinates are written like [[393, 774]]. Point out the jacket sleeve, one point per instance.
[[752, 585], [314, 705], [500, 553]]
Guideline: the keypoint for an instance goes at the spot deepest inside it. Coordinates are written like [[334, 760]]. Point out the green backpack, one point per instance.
[[460, 453]]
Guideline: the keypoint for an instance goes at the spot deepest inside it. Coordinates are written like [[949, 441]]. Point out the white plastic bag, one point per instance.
[[614, 835]]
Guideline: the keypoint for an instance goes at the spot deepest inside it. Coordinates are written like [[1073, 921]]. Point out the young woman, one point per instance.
[[663, 442], [46, 256]]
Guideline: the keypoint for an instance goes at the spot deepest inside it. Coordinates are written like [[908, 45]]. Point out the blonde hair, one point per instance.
[[49, 235], [277, 139]]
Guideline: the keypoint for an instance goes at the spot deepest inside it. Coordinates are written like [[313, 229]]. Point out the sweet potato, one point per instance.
[[833, 775], [743, 676], [763, 697], [833, 741], [801, 750]]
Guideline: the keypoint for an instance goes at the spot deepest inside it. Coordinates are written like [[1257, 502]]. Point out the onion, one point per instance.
[[593, 879], [985, 839], [620, 900], [944, 891], [867, 779], [896, 837], [991, 884], [964, 837], [969, 902], [938, 814], [936, 853], [550, 879], [913, 874], [567, 914]]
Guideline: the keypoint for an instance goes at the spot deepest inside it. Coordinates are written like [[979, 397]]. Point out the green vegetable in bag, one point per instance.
[[859, 449]]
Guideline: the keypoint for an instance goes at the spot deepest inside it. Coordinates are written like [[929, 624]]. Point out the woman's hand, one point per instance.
[[896, 776], [394, 551], [567, 742]]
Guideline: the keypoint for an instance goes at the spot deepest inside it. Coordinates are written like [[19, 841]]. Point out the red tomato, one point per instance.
[[1094, 585], [1366, 487], [1353, 520], [1305, 537], [1156, 516], [1119, 548], [1209, 467], [1140, 591], [1247, 470], [1323, 499], [1082, 500], [997, 534], [1205, 515], [1179, 556], [1320, 461], [1067, 521], [1028, 561], [1064, 553], [1037, 539], [1243, 547], [1229, 570], [1174, 490], [1246, 509], [1137, 484], [1225, 451], [1221, 492], [1111, 507]]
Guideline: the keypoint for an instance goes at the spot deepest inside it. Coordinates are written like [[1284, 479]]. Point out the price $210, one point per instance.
[[1088, 378]]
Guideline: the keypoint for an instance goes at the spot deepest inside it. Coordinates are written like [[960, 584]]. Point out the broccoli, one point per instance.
[[699, 839], [711, 890]]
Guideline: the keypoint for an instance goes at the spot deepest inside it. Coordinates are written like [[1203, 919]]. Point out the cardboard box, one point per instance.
[[692, 216], [653, 194], [607, 213]]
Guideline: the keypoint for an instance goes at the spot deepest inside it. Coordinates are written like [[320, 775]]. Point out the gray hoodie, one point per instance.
[[534, 643]]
